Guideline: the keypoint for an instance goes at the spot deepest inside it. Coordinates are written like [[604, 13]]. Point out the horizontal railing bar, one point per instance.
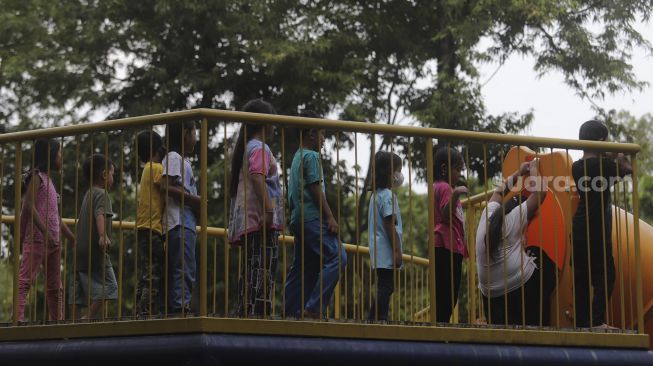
[[221, 232], [292, 121], [116, 124], [476, 199]]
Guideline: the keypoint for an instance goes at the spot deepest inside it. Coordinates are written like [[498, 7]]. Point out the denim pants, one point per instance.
[[182, 268], [318, 282]]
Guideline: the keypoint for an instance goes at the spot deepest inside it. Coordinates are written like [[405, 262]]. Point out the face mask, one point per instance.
[[397, 179]]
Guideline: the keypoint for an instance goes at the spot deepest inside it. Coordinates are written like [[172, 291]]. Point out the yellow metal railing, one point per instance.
[[414, 300]]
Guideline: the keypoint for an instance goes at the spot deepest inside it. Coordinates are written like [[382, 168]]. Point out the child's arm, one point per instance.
[[498, 194], [389, 224], [100, 222], [30, 204], [538, 195], [455, 195], [170, 187], [625, 168], [67, 233], [318, 196]]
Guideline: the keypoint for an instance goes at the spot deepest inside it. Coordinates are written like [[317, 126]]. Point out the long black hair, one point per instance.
[[385, 162], [495, 227], [442, 158], [246, 129], [45, 155]]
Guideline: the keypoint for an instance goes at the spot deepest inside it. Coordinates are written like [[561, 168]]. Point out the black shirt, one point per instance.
[[594, 178]]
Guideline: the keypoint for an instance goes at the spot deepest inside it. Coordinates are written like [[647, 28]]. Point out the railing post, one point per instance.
[[429, 181], [638, 257], [204, 142], [17, 201]]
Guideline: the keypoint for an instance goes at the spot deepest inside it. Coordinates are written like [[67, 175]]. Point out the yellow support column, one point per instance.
[[17, 199], [638, 257], [204, 143], [429, 181]]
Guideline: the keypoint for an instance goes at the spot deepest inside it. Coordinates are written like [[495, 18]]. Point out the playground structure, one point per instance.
[[411, 325], [551, 230]]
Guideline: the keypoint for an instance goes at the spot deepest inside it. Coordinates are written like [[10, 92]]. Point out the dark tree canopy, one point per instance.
[[373, 61]]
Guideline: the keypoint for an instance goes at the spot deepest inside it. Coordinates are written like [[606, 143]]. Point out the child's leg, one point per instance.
[[296, 279], [581, 285], [150, 253], [495, 307], [548, 273], [260, 272], [77, 294], [249, 273], [30, 262], [334, 261], [53, 284], [144, 270], [292, 287], [269, 271], [103, 287], [531, 304], [384, 289], [519, 305], [446, 274], [603, 283], [158, 272], [181, 268], [94, 309]]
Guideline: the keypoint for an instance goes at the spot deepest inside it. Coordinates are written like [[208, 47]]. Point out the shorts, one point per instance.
[[106, 289]]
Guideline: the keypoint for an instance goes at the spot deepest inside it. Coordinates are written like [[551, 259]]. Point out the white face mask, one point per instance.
[[397, 179]]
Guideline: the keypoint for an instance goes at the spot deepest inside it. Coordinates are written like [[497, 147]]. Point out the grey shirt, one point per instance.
[[96, 202]]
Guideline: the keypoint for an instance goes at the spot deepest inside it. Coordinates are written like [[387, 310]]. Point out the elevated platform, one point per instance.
[[212, 341]]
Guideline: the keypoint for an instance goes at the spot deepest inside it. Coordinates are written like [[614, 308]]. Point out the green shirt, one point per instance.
[[96, 202], [312, 173]]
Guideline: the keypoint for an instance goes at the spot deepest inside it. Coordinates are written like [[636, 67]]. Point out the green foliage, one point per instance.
[[628, 128]]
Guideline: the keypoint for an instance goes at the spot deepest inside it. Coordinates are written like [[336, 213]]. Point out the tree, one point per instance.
[[373, 61], [628, 128]]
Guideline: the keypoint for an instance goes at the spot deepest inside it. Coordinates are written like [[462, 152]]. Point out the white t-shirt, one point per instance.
[[174, 215], [509, 267]]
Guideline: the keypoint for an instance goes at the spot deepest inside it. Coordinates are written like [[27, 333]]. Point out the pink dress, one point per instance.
[[35, 255]]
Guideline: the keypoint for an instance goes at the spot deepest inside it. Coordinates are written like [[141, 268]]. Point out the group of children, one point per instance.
[[515, 279], [165, 174]]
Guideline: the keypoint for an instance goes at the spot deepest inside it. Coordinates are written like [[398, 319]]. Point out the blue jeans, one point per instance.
[[180, 280], [334, 260]]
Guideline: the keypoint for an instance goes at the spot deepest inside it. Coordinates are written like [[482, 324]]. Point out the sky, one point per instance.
[[558, 111]]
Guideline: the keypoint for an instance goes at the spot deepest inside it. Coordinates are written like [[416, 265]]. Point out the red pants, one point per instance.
[[32, 259]]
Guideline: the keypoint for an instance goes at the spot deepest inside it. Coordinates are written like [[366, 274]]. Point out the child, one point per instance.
[[594, 174], [385, 229], [148, 221], [306, 185], [94, 280], [178, 186], [508, 269], [256, 214], [449, 228], [41, 225]]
